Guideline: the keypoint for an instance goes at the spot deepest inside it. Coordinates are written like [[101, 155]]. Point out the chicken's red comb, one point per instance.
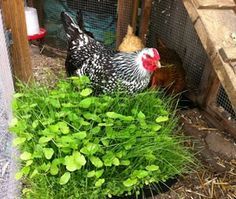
[[156, 54]]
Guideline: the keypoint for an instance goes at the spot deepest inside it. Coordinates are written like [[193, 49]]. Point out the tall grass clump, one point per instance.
[[76, 145]]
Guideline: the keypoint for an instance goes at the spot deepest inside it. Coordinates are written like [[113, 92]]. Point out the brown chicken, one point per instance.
[[172, 76], [130, 42]]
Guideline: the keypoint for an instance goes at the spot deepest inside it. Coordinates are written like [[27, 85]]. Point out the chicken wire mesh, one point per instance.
[[171, 25], [8, 185], [5, 153], [224, 102], [99, 18]]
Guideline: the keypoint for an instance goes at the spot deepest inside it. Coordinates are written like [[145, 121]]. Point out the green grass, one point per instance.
[[76, 145]]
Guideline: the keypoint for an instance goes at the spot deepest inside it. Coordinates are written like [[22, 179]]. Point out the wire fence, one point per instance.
[[224, 102], [8, 184], [99, 16], [171, 25]]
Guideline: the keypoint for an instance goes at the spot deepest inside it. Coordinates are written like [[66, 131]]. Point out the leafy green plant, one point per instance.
[[109, 38], [76, 145]]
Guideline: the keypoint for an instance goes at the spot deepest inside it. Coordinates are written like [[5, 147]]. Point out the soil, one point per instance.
[[216, 151], [46, 69], [216, 176]]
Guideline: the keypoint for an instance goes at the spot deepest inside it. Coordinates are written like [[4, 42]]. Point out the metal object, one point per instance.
[[9, 39]]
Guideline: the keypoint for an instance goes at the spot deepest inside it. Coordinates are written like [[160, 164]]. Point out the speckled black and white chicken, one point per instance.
[[108, 70]]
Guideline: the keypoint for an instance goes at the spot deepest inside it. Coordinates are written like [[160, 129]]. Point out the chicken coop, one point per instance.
[[199, 35], [184, 27]]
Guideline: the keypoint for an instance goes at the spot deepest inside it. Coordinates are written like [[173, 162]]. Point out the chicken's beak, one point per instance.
[[158, 64]]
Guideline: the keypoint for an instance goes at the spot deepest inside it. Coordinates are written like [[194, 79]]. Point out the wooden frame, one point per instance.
[[124, 19], [135, 14], [217, 116], [145, 19], [127, 15], [221, 69]]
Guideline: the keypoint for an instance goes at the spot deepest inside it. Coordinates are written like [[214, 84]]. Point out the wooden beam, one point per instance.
[[219, 118], [228, 54], [135, 14], [145, 19], [14, 18], [213, 4], [209, 86], [212, 89], [212, 42], [38, 4], [227, 78], [124, 19], [192, 12]]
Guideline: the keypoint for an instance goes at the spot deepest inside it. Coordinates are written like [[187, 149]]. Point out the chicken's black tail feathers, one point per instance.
[[71, 28], [73, 31], [80, 22], [77, 40], [79, 19]]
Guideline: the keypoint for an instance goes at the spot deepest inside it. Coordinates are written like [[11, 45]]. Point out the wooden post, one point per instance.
[[145, 19], [14, 20], [124, 19], [135, 14], [208, 87]]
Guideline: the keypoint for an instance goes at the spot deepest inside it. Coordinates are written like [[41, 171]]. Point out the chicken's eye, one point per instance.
[[147, 56]]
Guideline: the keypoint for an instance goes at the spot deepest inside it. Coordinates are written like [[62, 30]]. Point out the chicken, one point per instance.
[[130, 42], [108, 70], [171, 77]]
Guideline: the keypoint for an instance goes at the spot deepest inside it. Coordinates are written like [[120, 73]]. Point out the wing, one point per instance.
[[100, 70]]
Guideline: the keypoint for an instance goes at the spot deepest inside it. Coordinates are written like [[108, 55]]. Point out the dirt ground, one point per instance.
[[216, 151]]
